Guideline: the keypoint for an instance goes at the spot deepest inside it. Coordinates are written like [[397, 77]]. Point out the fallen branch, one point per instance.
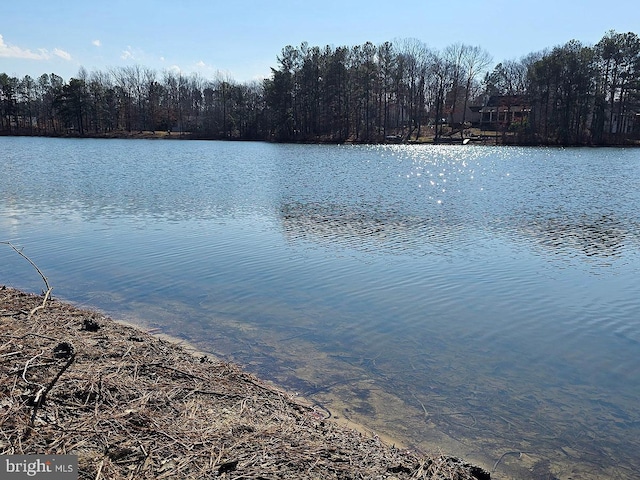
[[46, 282]]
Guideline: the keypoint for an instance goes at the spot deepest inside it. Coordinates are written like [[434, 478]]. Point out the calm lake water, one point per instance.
[[480, 300]]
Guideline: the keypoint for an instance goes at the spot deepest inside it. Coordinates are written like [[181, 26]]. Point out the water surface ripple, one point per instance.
[[478, 299]]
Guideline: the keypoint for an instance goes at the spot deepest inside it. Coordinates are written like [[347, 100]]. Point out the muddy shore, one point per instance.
[[134, 405]]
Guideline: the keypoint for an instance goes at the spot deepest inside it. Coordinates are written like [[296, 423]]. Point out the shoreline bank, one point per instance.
[[131, 403], [482, 138]]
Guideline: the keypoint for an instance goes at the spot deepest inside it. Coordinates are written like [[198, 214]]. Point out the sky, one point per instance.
[[241, 39]]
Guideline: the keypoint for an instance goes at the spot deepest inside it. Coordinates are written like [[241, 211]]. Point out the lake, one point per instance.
[[479, 301]]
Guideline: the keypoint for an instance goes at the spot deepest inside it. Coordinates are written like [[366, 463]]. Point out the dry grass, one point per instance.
[[132, 405]]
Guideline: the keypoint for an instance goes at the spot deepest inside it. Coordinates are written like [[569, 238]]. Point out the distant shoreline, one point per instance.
[[489, 138]]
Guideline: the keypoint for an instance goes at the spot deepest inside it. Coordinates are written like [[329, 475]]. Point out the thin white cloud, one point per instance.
[[175, 69], [201, 64], [62, 54], [96, 43], [127, 54], [13, 51]]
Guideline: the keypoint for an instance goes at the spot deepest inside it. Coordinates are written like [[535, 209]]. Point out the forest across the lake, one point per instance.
[[395, 92]]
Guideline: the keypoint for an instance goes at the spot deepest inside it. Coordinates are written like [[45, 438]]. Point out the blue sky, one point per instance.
[[241, 38]]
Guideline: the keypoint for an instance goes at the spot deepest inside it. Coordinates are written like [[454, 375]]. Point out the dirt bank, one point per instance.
[[133, 405]]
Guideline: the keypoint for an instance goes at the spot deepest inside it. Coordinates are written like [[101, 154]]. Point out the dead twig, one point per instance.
[[26, 366], [44, 279]]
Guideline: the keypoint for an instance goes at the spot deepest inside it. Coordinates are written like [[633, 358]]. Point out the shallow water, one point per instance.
[[483, 300]]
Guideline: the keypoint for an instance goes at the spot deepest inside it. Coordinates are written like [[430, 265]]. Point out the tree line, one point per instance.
[[396, 91]]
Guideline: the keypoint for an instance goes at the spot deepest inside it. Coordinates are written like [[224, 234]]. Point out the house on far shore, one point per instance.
[[462, 115], [500, 111]]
